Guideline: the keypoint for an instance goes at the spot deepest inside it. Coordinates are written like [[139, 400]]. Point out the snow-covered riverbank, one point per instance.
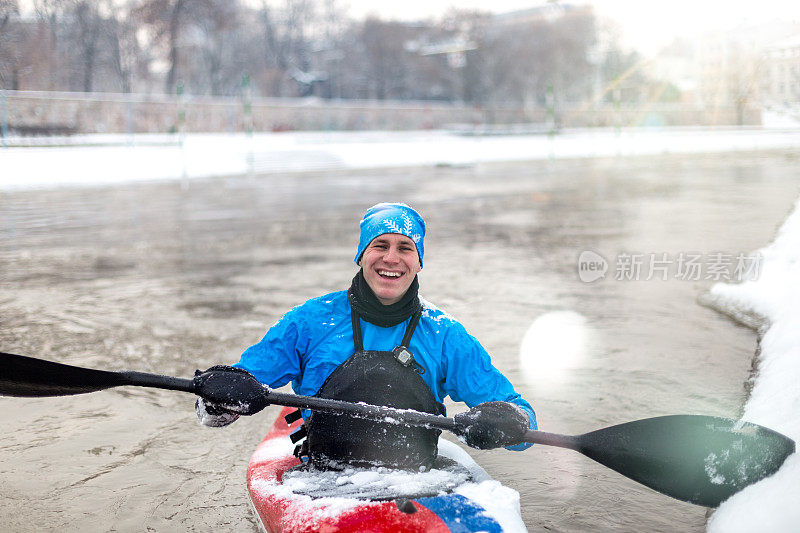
[[111, 159], [772, 504]]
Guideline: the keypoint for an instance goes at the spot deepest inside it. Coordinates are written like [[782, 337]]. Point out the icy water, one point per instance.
[[169, 277]]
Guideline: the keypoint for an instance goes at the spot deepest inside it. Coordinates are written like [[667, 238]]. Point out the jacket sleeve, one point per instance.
[[276, 359], [471, 378]]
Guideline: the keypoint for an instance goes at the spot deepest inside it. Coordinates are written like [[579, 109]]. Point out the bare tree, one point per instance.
[[87, 24], [384, 60], [743, 71], [305, 47], [218, 26], [527, 53], [287, 43], [124, 47], [9, 44], [7, 9], [49, 14], [168, 20]]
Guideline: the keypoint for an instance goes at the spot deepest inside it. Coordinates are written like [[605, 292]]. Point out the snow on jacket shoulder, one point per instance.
[[314, 338]]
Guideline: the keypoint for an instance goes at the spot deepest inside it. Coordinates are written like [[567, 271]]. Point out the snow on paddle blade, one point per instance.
[[771, 296], [711, 470]]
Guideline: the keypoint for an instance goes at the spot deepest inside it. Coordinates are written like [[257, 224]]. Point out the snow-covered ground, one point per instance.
[[774, 503], [106, 159]]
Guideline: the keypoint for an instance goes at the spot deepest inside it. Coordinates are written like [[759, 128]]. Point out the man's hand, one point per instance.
[[225, 393], [492, 425]]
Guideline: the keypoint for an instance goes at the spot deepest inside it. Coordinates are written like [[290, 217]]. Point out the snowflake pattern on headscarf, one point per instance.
[[392, 218], [407, 229]]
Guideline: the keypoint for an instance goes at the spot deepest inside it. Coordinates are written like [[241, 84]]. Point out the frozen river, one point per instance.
[[169, 277]]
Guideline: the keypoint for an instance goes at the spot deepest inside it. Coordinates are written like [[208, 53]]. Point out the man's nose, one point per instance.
[[391, 255]]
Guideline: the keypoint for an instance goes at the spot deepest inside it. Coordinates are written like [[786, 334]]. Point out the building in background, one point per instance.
[[781, 82]]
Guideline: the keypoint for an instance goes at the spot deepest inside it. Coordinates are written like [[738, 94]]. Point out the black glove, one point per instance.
[[492, 425], [229, 390]]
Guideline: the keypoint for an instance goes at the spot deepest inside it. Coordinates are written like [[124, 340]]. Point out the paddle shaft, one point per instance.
[[27, 376], [699, 459], [401, 416], [143, 379]]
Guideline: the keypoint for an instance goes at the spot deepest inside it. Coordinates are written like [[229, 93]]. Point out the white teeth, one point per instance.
[[389, 274]]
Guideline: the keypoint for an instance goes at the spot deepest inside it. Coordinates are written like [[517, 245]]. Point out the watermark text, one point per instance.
[[683, 266]]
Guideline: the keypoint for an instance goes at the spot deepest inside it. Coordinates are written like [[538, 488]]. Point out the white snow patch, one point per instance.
[[432, 312], [711, 470], [453, 451], [208, 155], [309, 509], [500, 502], [780, 118], [366, 483], [772, 504], [272, 449]]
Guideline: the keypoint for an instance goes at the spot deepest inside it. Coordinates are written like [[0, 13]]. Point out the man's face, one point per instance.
[[390, 263]]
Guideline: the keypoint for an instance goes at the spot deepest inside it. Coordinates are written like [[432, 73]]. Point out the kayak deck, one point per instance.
[[283, 508]]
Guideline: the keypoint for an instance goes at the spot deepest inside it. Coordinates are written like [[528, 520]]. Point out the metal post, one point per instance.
[[247, 108], [129, 119], [181, 127], [550, 102], [3, 118], [247, 105], [618, 118], [181, 113]]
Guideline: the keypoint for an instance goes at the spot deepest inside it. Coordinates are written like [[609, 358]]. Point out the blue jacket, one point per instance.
[[312, 339]]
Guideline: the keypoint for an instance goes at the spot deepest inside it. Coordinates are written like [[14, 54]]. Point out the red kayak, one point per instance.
[[460, 497]]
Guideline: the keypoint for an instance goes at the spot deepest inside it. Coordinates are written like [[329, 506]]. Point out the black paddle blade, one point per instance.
[[698, 459], [26, 376]]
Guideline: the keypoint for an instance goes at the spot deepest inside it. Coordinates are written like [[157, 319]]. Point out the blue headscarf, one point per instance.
[[392, 218]]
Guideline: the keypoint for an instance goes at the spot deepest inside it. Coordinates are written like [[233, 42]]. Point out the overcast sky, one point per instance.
[[646, 24]]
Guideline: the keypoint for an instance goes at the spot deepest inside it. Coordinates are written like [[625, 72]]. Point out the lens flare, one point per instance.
[[555, 343]]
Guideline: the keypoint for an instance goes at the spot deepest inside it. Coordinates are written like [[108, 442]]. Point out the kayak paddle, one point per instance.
[[694, 458]]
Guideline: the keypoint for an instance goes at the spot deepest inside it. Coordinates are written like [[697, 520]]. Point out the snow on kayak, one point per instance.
[[459, 496]]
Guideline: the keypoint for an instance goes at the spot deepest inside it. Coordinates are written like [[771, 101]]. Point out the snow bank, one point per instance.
[[102, 160], [772, 504]]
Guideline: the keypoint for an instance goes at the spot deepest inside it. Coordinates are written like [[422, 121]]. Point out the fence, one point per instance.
[[60, 113]]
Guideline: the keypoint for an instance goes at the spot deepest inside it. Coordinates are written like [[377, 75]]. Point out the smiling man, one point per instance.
[[379, 343], [390, 263]]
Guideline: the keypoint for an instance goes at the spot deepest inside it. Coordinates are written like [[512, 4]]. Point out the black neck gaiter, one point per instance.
[[368, 307]]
